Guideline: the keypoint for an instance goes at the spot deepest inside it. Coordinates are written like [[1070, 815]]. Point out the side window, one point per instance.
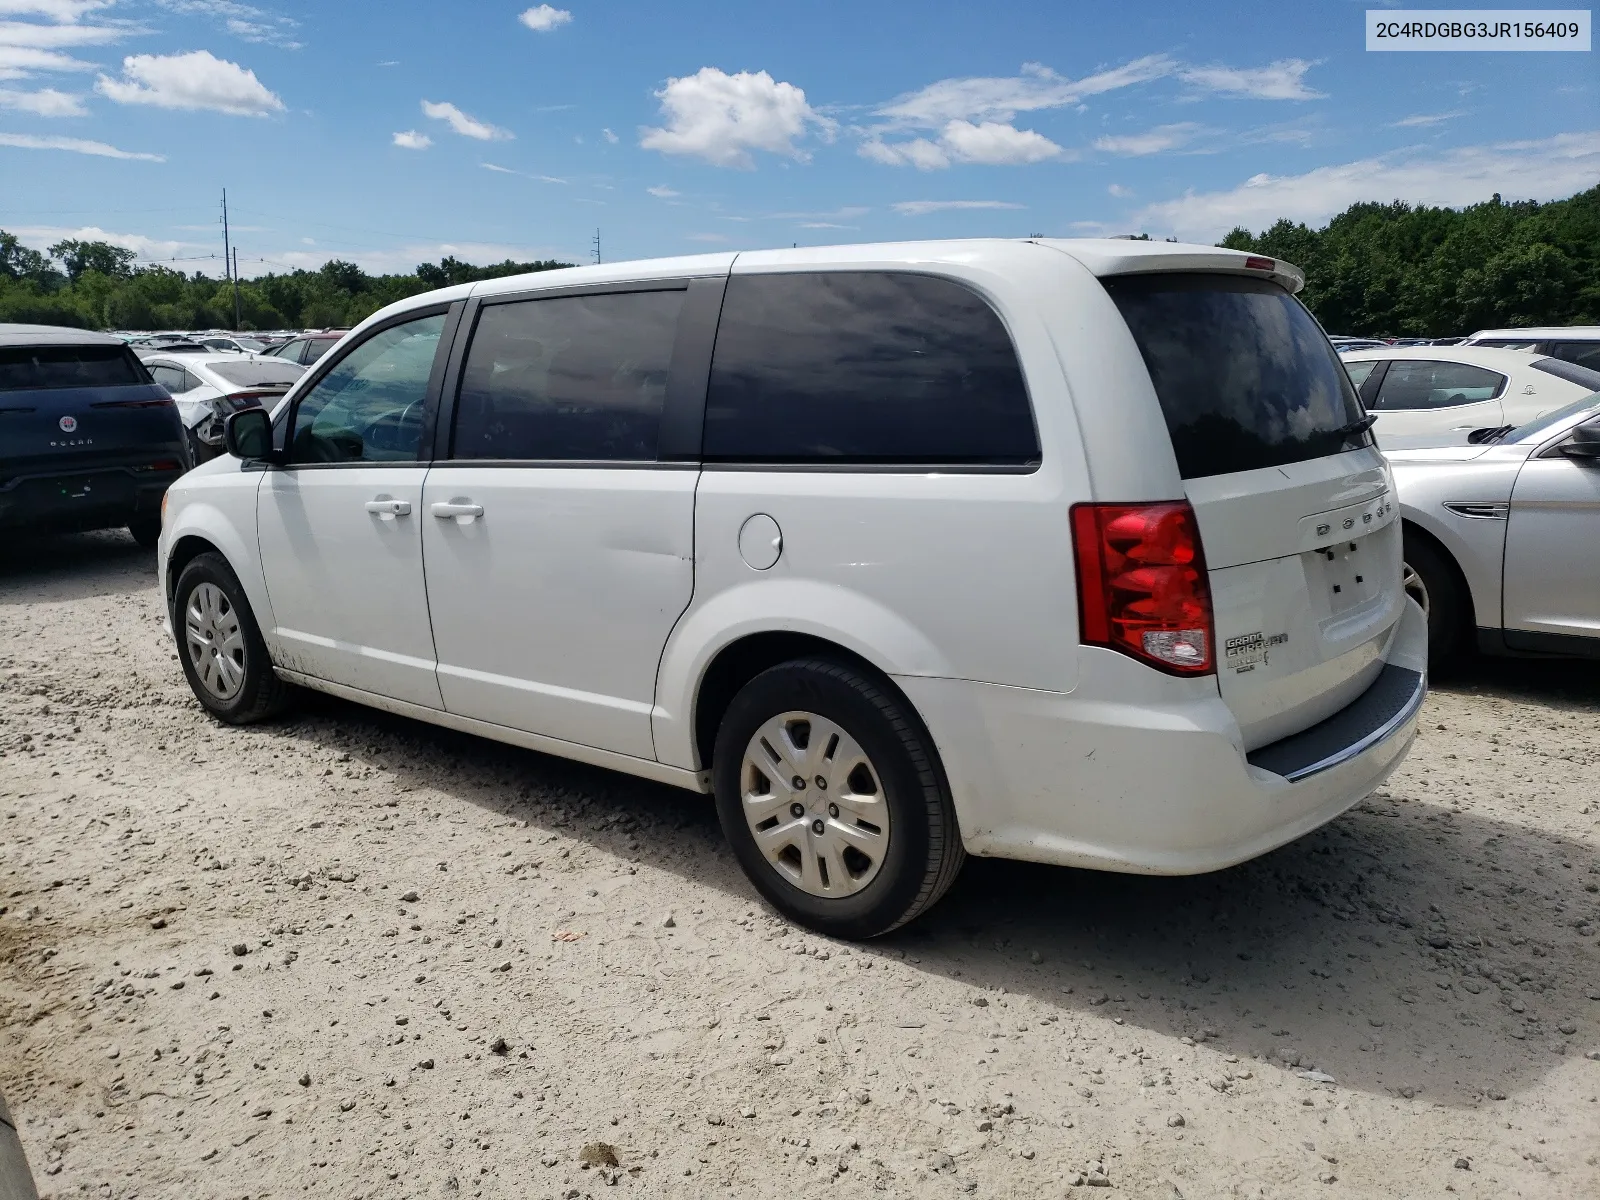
[[315, 348], [1585, 354], [1413, 384], [368, 408], [191, 381], [568, 378], [170, 378], [864, 367], [1359, 371]]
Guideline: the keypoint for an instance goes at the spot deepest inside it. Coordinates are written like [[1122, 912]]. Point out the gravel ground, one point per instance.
[[350, 955]]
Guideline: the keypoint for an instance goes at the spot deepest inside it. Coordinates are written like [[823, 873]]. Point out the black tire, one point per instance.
[[261, 694], [146, 531], [924, 853], [1447, 604]]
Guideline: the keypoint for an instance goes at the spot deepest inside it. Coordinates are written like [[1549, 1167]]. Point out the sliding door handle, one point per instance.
[[455, 508]]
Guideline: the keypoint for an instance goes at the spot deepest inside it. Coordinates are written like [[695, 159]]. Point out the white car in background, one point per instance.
[[210, 387], [1442, 395], [1575, 344], [1504, 538]]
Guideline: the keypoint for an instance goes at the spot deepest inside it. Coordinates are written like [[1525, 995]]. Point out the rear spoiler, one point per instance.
[[1117, 256]]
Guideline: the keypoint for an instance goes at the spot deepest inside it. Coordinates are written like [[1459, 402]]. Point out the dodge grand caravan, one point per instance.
[[1071, 551]]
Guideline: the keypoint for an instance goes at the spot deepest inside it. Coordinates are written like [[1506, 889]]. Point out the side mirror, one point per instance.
[[1584, 444], [248, 435]]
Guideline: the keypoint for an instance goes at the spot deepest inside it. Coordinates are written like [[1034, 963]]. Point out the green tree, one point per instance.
[[79, 256]]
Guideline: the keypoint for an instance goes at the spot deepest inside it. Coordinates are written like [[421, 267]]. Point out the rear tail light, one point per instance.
[[1257, 263], [1142, 585]]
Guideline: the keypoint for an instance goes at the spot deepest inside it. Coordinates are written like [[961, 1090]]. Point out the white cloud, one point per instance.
[[498, 168], [1423, 120], [65, 11], [1120, 192], [410, 139], [661, 191], [721, 118], [610, 137], [918, 208], [707, 237], [1001, 98], [244, 21], [1527, 170], [26, 141], [543, 18], [19, 62], [463, 124], [46, 102], [196, 81], [1281, 80], [1152, 141], [42, 236], [825, 225], [48, 37], [991, 143]]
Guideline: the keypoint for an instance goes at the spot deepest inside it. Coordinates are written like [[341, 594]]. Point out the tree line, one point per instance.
[[1375, 269], [1415, 271], [95, 285]]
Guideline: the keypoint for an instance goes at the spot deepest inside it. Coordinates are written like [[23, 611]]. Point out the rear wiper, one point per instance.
[[1359, 426]]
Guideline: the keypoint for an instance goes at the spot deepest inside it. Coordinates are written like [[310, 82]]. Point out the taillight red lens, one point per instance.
[[1142, 585], [1257, 263]]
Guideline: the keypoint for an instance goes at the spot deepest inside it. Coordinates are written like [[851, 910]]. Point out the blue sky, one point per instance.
[[397, 132]]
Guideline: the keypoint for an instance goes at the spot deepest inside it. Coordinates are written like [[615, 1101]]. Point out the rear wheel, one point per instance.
[[146, 531], [220, 645], [1431, 580], [831, 797]]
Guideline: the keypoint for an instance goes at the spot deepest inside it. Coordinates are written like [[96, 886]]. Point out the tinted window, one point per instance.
[[1585, 354], [368, 408], [1360, 370], [857, 367], [572, 377], [1414, 383], [315, 348], [1588, 377], [1245, 376], [1509, 344], [258, 373], [27, 368]]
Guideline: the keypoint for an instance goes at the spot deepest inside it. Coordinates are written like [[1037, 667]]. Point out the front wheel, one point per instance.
[[833, 801], [220, 645]]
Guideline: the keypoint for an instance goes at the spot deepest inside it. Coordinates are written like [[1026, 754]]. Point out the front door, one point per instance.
[[1552, 569], [559, 550], [341, 545]]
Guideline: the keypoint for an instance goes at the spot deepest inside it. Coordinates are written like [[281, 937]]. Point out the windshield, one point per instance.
[[270, 372], [1535, 429], [30, 368], [1245, 375]]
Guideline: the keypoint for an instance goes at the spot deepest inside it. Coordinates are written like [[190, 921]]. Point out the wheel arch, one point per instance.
[[1413, 529]]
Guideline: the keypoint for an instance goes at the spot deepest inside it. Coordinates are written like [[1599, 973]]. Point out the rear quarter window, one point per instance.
[[1245, 376], [856, 367]]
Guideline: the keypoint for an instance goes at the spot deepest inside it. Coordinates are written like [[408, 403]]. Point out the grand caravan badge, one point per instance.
[[1247, 651]]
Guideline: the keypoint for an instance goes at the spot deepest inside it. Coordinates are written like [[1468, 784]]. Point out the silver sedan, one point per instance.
[[1502, 539]]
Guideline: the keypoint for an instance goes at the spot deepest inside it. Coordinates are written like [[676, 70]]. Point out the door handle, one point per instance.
[[455, 508], [390, 508]]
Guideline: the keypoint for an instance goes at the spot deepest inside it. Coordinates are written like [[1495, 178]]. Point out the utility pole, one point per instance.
[[236, 321], [597, 245], [227, 258]]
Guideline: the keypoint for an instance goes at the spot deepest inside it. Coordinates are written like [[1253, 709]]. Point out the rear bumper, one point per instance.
[[91, 497], [1126, 774]]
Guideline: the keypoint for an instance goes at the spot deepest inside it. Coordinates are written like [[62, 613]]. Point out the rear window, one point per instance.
[[1425, 383], [1583, 354], [1245, 376], [270, 373], [864, 368], [32, 368], [1570, 371]]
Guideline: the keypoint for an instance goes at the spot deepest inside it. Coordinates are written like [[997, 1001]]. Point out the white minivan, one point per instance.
[[1078, 552]]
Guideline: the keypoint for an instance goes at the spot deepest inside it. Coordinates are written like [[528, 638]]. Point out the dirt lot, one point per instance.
[[348, 955]]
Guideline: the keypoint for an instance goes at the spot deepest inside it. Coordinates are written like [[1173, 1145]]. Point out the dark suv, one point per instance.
[[87, 439]]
